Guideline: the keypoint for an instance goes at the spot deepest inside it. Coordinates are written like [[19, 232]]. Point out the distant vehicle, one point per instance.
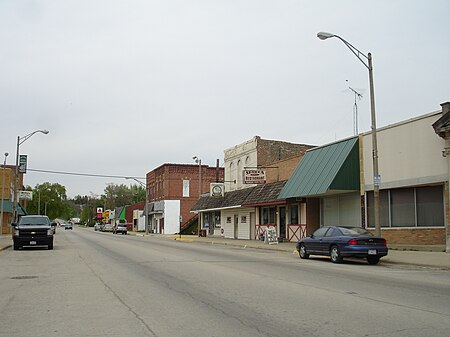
[[107, 227], [120, 228], [33, 230], [339, 242], [68, 226], [62, 224], [98, 226]]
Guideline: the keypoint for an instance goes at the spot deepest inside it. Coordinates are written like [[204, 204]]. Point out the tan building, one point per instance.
[[6, 196], [247, 211], [276, 158], [335, 182]]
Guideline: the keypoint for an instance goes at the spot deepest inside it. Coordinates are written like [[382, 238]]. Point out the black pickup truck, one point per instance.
[[33, 230]]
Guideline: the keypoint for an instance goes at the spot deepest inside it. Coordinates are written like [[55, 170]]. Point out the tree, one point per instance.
[[117, 196], [50, 199]]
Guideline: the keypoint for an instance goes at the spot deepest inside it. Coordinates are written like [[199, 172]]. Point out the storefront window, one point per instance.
[[402, 207], [268, 215], [430, 206], [293, 214], [384, 209], [409, 207], [217, 219], [206, 220]]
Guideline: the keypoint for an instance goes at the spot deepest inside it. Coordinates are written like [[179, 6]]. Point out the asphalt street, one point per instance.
[[100, 284]]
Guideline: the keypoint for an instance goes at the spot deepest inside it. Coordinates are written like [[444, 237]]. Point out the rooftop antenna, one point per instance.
[[358, 96]]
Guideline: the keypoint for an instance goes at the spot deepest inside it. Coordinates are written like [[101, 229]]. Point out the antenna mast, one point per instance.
[[355, 110]]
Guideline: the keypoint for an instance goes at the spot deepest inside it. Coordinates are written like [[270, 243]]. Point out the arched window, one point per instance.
[[239, 174]]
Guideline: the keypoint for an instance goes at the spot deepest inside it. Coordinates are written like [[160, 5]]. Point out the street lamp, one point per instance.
[[146, 202], [45, 206], [199, 162], [366, 60], [3, 189], [20, 140]]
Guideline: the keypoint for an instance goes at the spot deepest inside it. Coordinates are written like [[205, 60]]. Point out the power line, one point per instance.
[[84, 174]]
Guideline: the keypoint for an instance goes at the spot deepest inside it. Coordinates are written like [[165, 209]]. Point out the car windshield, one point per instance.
[[354, 231], [43, 221]]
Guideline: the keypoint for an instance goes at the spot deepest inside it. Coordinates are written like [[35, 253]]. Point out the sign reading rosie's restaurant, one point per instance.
[[254, 177]]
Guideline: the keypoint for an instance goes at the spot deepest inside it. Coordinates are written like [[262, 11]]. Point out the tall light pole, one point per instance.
[[45, 206], [146, 201], [20, 140], [199, 162], [366, 60], [3, 189]]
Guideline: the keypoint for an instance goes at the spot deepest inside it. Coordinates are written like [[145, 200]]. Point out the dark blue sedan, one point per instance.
[[338, 242]]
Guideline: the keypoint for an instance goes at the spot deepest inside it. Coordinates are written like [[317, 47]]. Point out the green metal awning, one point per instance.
[[8, 207], [121, 213], [328, 169]]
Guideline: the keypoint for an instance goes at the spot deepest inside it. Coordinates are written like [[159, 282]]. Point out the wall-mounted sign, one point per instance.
[[25, 195], [216, 189], [255, 176], [23, 163]]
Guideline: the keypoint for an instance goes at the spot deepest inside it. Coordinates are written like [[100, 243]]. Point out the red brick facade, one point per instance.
[[166, 183], [414, 236]]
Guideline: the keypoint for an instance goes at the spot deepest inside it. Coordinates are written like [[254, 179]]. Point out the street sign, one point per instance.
[[377, 180], [23, 163]]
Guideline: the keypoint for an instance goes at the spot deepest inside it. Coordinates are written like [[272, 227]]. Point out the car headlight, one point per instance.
[[50, 232], [16, 232]]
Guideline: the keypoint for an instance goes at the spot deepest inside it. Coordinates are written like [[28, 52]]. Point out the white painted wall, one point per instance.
[[243, 228], [171, 216], [409, 153], [236, 158]]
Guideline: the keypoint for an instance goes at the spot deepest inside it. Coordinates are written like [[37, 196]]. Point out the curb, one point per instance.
[[5, 247]]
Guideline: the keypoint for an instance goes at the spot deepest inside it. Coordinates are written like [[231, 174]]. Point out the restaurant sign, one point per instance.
[[254, 176]]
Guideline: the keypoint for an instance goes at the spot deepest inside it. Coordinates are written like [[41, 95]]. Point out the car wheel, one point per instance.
[[335, 255], [302, 252], [373, 260]]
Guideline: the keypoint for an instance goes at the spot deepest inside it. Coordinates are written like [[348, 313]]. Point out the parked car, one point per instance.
[[339, 242], [107, 227], [68, 226], [33, 230], [98, 226], [120, 228]]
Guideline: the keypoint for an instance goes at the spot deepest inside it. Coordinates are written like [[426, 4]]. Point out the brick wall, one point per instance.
[[270, 151], [166, 183], [129, 210], [414, 236], [282, 170]]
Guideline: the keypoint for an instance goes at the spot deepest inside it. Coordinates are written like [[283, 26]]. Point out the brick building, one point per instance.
[[6, 197], [246, 211], [172, 191], [276, 158]]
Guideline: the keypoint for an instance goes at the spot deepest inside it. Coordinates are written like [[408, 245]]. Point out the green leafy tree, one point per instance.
[[138, 193], [50, 199], [117, 196]]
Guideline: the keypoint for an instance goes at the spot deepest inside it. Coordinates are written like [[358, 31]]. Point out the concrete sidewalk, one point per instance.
[[430, 259]]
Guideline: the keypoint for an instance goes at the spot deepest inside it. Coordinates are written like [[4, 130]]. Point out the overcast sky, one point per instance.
[[125, 86]]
